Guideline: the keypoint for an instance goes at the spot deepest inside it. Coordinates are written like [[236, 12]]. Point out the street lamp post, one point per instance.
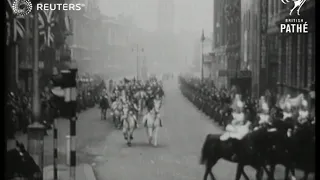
[[137, 49], [202, 57], [36, 129]]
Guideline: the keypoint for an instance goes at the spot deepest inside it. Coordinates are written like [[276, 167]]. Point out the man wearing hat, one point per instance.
[[287, 108], [303, 112], [264, 112], [238, 128]]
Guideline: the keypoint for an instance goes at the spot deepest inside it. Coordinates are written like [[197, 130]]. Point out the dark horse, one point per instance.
[[287, 149], [248, 152]]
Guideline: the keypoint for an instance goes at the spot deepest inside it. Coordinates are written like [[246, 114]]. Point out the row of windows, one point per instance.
[[298, 66], [275, 6]]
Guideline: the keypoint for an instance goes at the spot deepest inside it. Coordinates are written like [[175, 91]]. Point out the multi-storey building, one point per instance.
[[85, 39], [296, 52], [219, 44], [253, 42], [277, 60], [226, 51]]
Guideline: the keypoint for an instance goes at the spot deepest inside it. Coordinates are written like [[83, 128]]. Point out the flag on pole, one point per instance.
[[47, 21], [67, 23], [15, 27]]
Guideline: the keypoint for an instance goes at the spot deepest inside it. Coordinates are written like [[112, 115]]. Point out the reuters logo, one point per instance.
[[21, 7]]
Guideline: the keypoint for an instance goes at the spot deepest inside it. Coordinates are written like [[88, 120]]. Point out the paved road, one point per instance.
[[176, 157]]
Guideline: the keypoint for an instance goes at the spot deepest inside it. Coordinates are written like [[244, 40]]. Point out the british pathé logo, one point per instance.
[[294, 25]]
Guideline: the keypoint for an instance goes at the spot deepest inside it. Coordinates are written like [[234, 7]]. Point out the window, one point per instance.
[[289, 60], [283, 6], [310, 58], [294, 62]]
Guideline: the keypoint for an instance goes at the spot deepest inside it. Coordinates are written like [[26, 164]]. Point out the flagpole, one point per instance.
[[36, 95], [202, 57], [36, 130]]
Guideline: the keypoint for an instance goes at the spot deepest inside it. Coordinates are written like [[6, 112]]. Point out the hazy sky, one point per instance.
[[190, 15]]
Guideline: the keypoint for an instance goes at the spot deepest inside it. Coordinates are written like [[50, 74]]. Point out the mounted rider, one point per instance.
[[128, 110], [238, 128], [104, 103], [287, 108], [303, 113], [264, 112], [157, 105]]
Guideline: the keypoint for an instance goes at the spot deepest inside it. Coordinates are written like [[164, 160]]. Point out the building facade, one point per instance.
[[282, 62], [254, 25], [227, 36], [296, 52], [219, 44]]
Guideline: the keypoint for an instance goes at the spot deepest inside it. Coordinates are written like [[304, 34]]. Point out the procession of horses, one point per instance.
[[261, 133], [134, 102]]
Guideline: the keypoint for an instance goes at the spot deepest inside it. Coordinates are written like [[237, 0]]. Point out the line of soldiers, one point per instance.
[[219, 104]]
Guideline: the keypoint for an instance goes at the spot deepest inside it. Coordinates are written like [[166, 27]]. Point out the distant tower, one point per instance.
[[166, 16]]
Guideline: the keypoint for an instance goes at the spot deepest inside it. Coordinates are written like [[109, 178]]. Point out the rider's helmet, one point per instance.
[[304, 104], [265, 108], [239, 106], [287, 106]]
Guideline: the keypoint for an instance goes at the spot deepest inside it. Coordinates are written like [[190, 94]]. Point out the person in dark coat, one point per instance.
[[149, 103]]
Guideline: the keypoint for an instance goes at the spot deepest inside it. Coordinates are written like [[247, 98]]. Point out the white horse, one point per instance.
[[129, 124], [116, 112], [152, 123]]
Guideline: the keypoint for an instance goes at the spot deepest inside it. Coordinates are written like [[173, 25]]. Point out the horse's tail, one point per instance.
[[206, 150]]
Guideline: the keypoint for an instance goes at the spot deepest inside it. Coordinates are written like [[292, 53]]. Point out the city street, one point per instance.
[[178, 152], [176, 157]]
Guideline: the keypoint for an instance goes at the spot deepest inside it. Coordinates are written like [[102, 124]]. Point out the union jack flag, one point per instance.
[[47, 20], [15, 27]]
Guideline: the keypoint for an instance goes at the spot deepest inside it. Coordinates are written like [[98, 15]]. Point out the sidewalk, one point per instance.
[[83, 172]]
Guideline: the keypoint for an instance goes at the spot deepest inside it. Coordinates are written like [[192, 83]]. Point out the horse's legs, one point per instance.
[[208, 171], [239, 171], [293, 173], [244, 174], [131, 133], [271, 172], [149, 133], [155, 136], [259, 173], [125, 134], [286, 173], [305, 175]]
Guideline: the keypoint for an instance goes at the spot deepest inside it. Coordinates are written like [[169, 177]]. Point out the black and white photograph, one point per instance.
[[160, 90]]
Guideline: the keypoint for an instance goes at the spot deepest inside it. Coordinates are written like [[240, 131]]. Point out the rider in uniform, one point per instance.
[[287, 109], [129, 106], [303, 112], [157, 105], [237, 128], [149, 101], [264, 112]]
